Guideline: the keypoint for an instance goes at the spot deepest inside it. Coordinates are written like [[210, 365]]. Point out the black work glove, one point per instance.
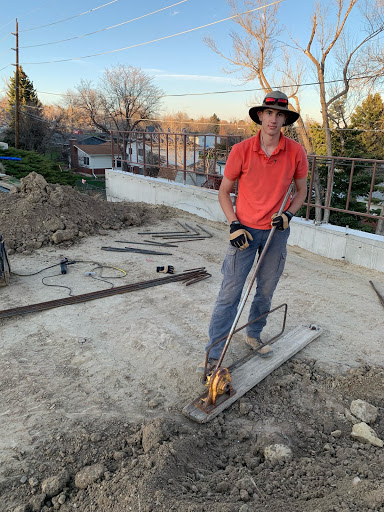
[[281, 222], [239, 236], [166, 270]]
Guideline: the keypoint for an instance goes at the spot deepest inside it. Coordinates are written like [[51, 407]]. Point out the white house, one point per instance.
[[92, 159], [207, 141]]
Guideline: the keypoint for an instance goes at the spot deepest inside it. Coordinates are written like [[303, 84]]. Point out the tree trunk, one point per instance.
[[328, 140], [305, 141]]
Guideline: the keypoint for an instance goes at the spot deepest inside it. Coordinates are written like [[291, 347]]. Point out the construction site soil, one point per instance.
[[92, 394]]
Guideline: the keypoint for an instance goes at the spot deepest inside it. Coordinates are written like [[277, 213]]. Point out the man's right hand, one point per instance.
[[239, 236]]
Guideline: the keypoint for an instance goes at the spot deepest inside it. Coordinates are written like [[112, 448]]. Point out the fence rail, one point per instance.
[[198, 159], [357, 180]]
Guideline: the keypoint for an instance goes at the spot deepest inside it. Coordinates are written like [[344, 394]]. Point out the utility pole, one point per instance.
[[17, 92]]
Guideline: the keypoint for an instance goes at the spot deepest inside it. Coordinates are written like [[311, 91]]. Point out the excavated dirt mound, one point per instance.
[[40, 214], [174, 464]]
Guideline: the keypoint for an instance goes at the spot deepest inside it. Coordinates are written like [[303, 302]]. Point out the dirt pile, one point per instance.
[[39, 214], [222, 466]]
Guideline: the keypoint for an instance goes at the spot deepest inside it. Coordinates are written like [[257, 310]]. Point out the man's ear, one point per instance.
[[260, 114]]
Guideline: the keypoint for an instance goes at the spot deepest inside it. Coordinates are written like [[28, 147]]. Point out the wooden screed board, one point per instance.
[[255, 370]]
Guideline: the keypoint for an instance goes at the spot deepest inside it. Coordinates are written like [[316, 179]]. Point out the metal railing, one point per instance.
[[341, 186], [346, 186], [195, 158]]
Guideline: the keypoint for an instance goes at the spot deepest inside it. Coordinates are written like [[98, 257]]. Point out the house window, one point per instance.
[[86, 160], [140, 151], [118, 163]]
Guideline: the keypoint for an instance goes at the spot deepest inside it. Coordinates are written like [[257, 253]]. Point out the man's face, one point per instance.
[[271, 120]]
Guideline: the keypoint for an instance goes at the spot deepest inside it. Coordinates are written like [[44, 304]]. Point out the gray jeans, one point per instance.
[[236, 267]]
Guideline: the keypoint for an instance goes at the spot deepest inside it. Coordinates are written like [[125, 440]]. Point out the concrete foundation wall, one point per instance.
[[339, 243], [333, 242], [122, 186]]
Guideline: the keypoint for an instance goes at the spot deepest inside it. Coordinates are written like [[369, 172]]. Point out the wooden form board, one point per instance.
[[257, 368]]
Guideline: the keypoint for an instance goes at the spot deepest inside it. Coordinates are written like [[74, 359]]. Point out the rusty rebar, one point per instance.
[[76, 299], [381, 298]]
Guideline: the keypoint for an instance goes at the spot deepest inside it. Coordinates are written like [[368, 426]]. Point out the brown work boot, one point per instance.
[[210, 366], [257, 345]]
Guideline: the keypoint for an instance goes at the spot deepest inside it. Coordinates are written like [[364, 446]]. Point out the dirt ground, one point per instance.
[[92, 394]]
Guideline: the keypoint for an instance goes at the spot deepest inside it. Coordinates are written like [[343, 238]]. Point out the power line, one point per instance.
[[220, 124], [70, 18], [5, 37], [277, 87], [5, 51], [29, 12], [154, 40], [103, 29]]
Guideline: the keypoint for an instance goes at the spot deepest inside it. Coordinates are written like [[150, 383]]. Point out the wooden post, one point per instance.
[[17, 89]]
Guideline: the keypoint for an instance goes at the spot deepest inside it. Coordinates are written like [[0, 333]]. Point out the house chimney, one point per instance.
[[73, 154]]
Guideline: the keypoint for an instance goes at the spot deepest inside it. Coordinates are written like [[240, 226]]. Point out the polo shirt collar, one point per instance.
[[257, 147]]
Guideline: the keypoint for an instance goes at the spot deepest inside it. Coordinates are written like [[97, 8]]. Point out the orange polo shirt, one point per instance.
[[263, 181]]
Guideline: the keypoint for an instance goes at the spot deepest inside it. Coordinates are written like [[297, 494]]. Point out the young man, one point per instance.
[[265, 166]]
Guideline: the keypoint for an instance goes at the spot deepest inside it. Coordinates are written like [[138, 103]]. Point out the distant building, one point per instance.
[[92, 158]]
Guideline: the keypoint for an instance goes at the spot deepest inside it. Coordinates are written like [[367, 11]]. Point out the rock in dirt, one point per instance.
[[364, 411], [246, 484], [153, 434], [245, 508], [277, 452], [88, 475], [364, 433], [350, 417], [36, 502], [265, 440], [223, 487], [53, 485]]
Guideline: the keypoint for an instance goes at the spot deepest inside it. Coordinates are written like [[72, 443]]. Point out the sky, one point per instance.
[[92, 35]]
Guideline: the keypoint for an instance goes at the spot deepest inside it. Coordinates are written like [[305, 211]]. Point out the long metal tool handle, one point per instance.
[[248, 290]]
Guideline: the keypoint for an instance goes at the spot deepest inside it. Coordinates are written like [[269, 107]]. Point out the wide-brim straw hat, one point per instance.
[[278, 101]]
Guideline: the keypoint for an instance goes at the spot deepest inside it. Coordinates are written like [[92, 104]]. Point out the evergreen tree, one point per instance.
[[215, 128], [369, 118], [317, 138], [32, 126]]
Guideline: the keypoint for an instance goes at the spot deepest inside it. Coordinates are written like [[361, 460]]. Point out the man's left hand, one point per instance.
[[281, 222]]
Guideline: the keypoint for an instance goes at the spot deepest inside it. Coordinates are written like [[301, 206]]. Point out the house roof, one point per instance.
[[96, 149]]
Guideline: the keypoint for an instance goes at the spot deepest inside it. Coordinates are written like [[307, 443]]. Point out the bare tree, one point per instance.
[[124, 98], [329, 32], [255, 54]]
